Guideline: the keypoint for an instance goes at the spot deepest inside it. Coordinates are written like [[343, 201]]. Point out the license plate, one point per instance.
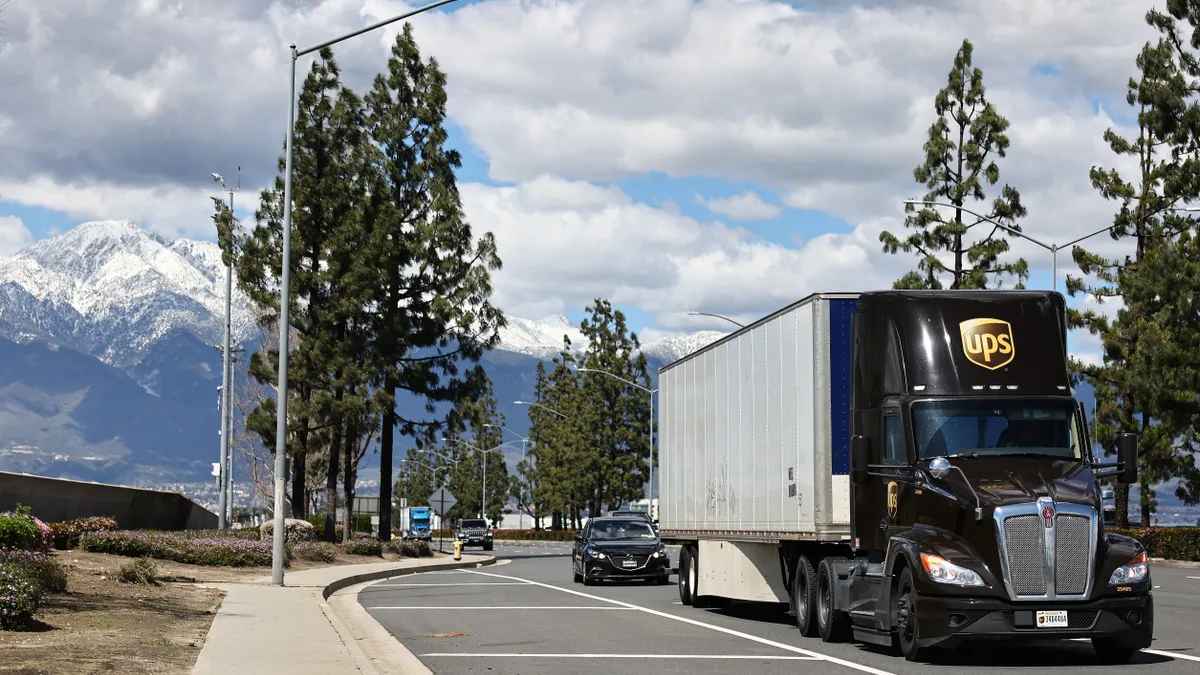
[[628, 563], [1056, 619]]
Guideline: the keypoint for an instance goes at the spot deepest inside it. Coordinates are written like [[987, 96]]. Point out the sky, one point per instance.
[[724, 156]]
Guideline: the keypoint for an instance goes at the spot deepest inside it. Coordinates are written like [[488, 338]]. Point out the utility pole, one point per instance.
[[225, 499]]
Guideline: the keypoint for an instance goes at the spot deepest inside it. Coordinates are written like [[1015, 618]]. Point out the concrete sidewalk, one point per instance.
[[291, 629]]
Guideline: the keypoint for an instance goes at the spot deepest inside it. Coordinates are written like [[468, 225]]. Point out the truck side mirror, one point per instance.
[[1127, 454], [860, 457]]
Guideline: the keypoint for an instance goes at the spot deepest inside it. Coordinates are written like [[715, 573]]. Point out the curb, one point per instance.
[[353, 579], [1181, 564]]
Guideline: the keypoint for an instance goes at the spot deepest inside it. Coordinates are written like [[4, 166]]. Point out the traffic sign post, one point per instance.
[[442, 501]]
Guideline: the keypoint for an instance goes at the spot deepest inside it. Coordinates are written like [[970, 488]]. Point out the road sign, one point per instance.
[[442, 501]]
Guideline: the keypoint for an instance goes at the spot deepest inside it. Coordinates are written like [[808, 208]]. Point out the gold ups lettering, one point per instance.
[[988, 343]]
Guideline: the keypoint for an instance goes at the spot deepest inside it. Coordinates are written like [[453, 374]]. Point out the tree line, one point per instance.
[[1148, 381]]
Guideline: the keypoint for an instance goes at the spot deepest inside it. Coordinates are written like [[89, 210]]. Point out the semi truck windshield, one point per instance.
[[995, 427]]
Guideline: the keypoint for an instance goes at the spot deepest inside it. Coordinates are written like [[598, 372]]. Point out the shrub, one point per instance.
[[361, 523], [1169, 543], [372, 547], [18, 531], [294, 530], [67, 533], [140, 571], [20, 596], [49, 574], [320, 551], [535, 535], [183, 548], [411, 548]]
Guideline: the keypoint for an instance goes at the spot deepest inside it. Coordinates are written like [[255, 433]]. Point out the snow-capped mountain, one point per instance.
[[543, 339], [112, 290]]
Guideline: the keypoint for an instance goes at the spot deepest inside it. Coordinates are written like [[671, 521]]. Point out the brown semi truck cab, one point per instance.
[[976, 507]]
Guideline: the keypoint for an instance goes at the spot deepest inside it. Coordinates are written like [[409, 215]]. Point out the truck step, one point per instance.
[[872, 636]]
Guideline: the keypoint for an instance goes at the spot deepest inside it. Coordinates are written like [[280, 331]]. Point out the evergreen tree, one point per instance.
[[559, 482], [959, 154], [615, 411], [418, 478], [325, 136], [434, 316], [1128, 398]]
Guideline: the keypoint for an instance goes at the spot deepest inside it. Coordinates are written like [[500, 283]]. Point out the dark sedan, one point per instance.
[[619, 548]]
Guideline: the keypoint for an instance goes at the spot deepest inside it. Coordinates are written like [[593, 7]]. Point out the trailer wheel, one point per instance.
[[833, 624], [685, 576], [698, 601], [804, 597]]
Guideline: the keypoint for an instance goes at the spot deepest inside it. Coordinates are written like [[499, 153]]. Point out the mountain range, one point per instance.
[[110, 370]]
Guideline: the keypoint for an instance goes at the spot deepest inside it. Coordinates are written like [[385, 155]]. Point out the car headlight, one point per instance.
[[596, 554], [660, 553], [1133, 571], [945, 572]]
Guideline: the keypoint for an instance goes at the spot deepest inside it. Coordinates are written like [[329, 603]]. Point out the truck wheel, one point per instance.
[[685, 576], [698, 601], [1112, 654], [906, 618], [833, 624], [804, 597], [487, 546]]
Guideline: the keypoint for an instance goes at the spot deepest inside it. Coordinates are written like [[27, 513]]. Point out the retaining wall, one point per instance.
[[57, 499]]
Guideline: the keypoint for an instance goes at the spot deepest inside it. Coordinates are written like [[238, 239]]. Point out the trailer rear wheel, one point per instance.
[[685, 575], [804, 597], [833, 624], [698, 601]]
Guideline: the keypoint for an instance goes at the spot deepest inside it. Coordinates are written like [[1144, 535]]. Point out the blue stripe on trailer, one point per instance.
[[840, 337]]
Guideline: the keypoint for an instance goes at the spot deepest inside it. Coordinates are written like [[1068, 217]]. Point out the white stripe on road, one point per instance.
[[1194, 577], [605, 609], [743, 657], [465, 583], [1157, 652], [720, 629]]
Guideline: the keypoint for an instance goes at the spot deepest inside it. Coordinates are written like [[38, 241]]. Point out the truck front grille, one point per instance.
[[1047, 563], [1026, 554]]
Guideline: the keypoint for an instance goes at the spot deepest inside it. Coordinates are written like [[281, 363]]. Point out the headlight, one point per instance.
[[945, 572], [660, 553], [596, 554], [1135, 570]]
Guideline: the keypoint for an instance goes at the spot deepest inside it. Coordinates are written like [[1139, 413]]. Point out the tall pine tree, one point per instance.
[[959, 157], [1128, 397], [434, 316]]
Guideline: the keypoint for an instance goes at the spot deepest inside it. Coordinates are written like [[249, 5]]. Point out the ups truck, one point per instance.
[[903, 468]]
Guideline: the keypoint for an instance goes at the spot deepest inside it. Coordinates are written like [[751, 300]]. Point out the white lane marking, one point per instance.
[[464, 583], [1157, 652], [604, 609], [742, 657], [1194, 577], [720, 629]]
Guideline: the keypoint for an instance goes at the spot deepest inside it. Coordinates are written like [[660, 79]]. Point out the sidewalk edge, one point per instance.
[[344, 582]]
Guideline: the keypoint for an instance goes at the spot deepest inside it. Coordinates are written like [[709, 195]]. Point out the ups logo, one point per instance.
[[988, 343], [893, 499]]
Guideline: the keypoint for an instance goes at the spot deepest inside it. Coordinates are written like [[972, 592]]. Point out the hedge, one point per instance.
[[1169, 543], [535, 535], [67, 533], [184, 547]]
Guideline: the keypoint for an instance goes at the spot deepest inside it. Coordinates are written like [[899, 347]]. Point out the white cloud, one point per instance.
[[14, 236], [830, 107], [746, 206]]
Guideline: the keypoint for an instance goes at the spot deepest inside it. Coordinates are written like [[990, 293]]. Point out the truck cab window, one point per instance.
[[998, 427], [893, 440]]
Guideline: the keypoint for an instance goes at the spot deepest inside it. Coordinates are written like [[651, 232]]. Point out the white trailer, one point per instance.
[[754, 450]]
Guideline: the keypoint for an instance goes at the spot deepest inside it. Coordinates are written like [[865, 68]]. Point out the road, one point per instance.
[[524, 615]]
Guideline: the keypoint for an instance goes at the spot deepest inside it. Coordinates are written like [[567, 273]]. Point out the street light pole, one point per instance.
[[285, 288], [718, 316], [650, 457], [483, 495], [1053, 248], [224, 498]]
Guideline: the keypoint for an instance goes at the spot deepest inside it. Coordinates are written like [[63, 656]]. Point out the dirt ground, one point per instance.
[[101, 625]]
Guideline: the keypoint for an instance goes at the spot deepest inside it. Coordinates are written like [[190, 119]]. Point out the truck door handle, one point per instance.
[[883, 524]]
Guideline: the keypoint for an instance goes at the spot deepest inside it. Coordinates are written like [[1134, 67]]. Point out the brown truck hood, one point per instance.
[[1010, 480]]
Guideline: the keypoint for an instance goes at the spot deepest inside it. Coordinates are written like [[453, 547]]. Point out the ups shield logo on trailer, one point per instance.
[[988, 343]]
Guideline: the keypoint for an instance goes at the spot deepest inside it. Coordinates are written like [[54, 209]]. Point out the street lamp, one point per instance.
[[739, 325], [1053, 248], [284, 287], [650, 457], [225, 498], [552, 411], [484, 453]]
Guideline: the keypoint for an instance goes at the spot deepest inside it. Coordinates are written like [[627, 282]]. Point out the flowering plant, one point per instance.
[[67, 533], [183, 548], [19, 596]]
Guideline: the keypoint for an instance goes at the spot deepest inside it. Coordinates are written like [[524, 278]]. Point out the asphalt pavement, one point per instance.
[[525, 616]]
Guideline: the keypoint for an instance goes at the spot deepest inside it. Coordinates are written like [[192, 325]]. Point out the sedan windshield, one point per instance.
[[624, 529], [986, 428]]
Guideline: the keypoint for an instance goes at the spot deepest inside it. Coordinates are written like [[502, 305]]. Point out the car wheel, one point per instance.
[[1112, 654]]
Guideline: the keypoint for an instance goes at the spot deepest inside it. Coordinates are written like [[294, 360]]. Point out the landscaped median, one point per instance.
[[138, 601]]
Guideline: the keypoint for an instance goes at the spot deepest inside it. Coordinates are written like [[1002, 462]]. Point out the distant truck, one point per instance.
[[903, 468], [419, 523]]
